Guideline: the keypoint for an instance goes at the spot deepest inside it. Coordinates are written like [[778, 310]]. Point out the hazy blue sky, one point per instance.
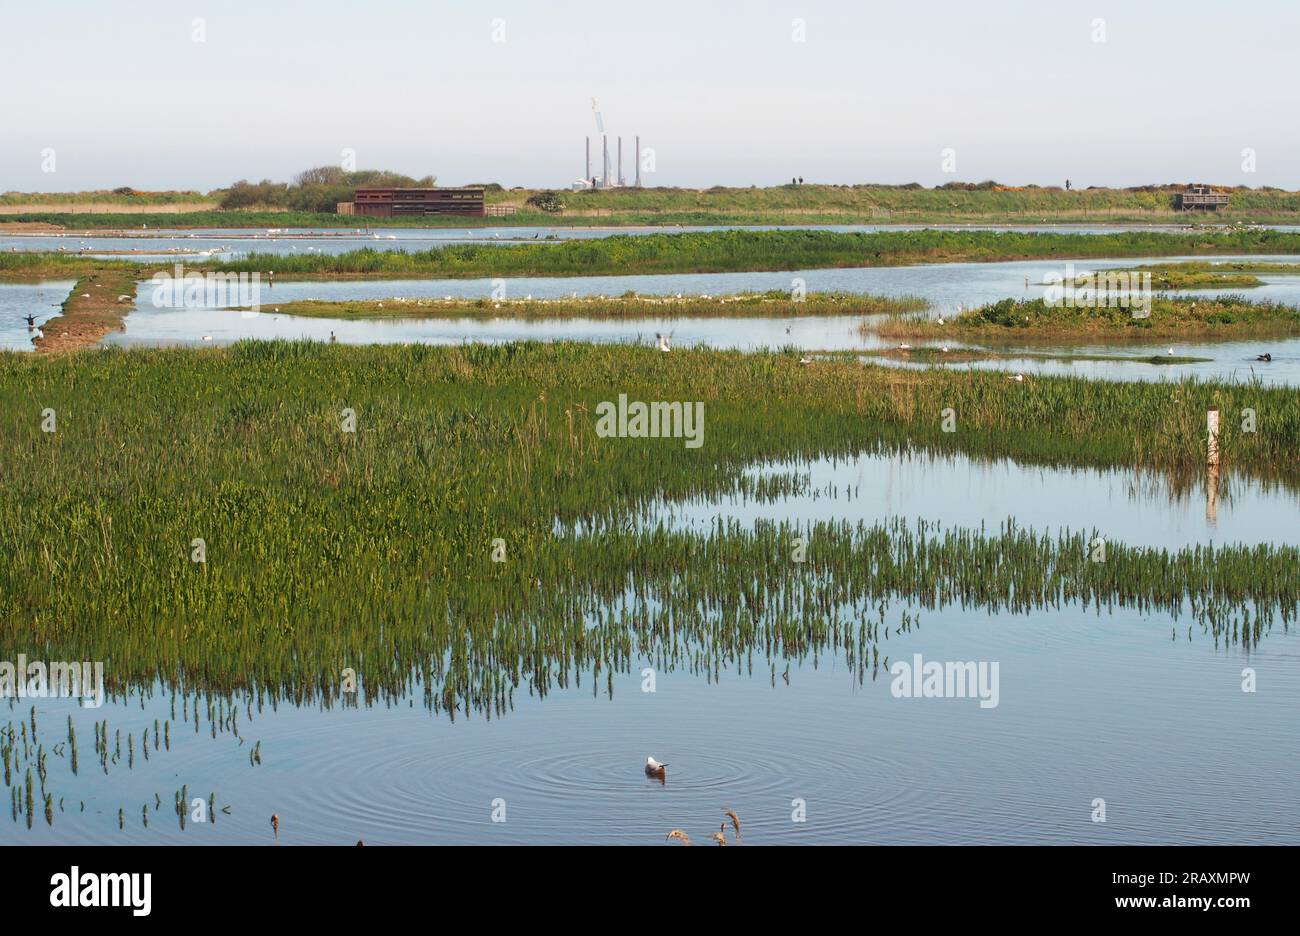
[[720, 91]]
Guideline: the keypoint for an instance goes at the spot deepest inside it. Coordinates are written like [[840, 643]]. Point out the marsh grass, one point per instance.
[[328, 549], [738, 251]]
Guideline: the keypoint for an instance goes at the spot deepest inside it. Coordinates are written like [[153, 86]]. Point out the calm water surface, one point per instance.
[[1130, 707], [18, 300], [948, 287]]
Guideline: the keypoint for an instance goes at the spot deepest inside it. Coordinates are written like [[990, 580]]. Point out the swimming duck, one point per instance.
[[679, 835], [1259, 357], [655, 769]]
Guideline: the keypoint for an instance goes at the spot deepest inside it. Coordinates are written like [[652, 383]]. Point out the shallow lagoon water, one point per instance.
[[1089, 707], [18, 300], [1131, 707], [946, 286], [1123, 505]]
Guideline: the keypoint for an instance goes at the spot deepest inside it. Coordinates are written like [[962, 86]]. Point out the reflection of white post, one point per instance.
[[1212, 460], [1212, 494]]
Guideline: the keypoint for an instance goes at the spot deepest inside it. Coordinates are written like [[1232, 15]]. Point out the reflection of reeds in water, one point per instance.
[[370, 549], [21, 749], [72, 746]]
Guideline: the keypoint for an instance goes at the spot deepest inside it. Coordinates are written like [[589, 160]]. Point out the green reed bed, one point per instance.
[[716, 251], [736, 251], [325, 549]]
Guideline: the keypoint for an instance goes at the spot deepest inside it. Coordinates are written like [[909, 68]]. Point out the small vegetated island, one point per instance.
[[1225, 317], [631, 306], [1227, 274]]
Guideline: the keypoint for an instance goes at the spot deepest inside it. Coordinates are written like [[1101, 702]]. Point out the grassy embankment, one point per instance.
[[1225, 317], [373, 549], [76, 208], [783, 204]]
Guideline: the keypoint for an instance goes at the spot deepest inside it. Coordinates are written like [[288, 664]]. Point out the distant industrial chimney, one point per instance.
[[587, 175], [620, 160], [605, 146], [637, 157]]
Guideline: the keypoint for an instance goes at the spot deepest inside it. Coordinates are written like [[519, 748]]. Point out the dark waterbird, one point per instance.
[[1266, 356]]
